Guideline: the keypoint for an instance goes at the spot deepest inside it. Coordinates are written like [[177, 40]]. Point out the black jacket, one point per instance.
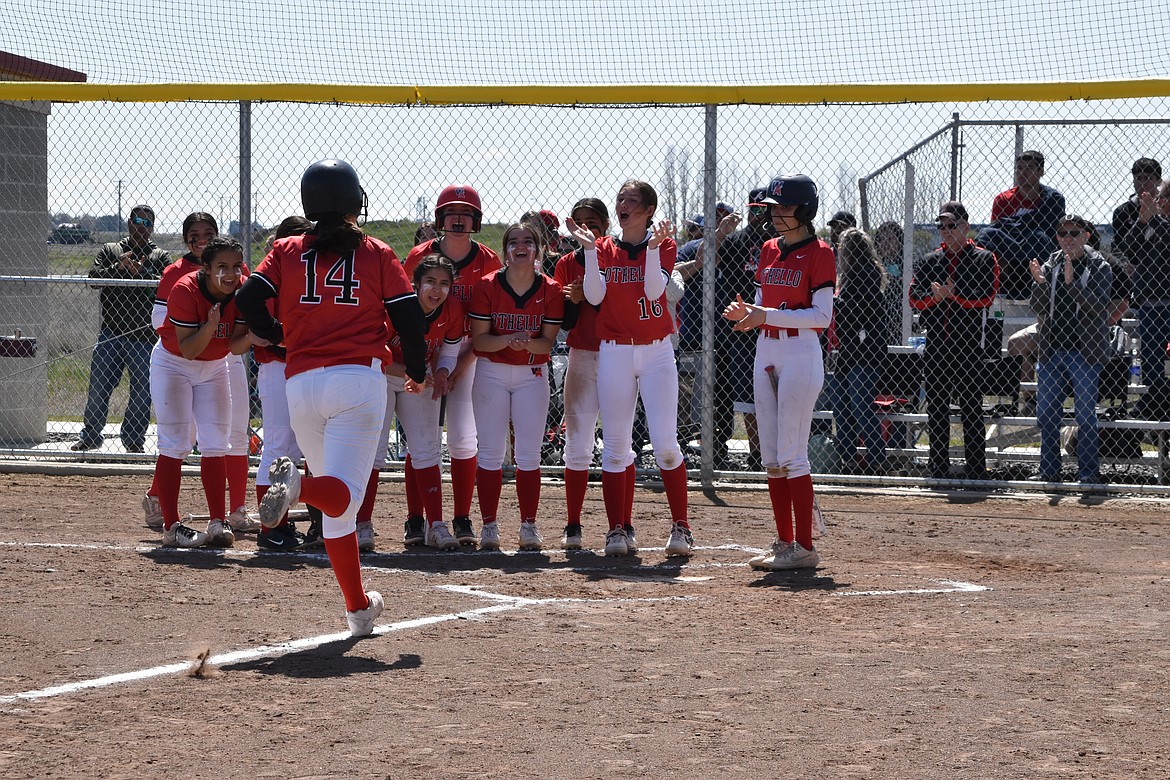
[[957, 324], [862, 326]]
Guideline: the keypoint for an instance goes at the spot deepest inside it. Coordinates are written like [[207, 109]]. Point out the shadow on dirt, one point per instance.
[[797, 581], [325, 662]]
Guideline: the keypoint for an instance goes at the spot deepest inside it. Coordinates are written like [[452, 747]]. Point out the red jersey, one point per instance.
[[496, 302], [625, 314], [188, 303], [571, 269], [788, 276], [468, 271], [170, 277], [444, 325], [333, 307], [1009, 203]]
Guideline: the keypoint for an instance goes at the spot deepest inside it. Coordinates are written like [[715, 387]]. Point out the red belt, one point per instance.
[[770, 333], [633, 342]]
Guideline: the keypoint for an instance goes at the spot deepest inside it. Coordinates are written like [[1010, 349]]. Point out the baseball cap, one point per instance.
[[551, 220], [756, 196], [1147, 166], [722, 206], [696, 220], [843, 218], [952, 209]]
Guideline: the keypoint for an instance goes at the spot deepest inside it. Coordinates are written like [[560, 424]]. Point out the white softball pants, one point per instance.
[[784, 411], [419, 416], [278, 435], [460, 417], [241, 404], [190, 393], [581, 408], [516, 394], [336, 414], [623, 372]]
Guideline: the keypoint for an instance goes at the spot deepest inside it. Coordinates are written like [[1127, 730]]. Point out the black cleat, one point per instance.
[[414, 531], [464, 533], [282, 538]]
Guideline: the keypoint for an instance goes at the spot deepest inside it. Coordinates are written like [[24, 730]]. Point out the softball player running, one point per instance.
[[279, 440], [794, 303], [418, 413], [514, 316], [198, 229], [581, 399], [334, 287], [636, 356], [189, 386], [458, 214]]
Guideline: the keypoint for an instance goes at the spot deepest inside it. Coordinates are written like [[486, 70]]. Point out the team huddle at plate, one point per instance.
[[349, 338]]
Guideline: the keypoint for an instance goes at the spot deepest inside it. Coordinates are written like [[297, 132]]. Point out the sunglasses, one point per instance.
[[1068, 233], [947, 225], [142, 221]]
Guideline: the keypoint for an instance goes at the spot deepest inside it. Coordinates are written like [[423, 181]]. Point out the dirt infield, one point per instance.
[[940, 638]]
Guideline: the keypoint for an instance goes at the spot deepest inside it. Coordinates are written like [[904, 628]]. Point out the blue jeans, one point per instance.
[[853, 409], [112, 355], [1053, 375], [1153, 333]]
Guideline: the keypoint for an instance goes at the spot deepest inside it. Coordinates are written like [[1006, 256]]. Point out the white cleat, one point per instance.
[[219, 534], [439, 537], [784, 557], [489, 537], [365, 536], [153, 511], [283, 493], [361, 622], [530, 538], [615, 543], [680, 542], [179, 535], [242, 522]]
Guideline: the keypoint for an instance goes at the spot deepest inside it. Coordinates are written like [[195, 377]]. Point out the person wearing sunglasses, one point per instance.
[[952, 289], [126, 336], [1071, 298]]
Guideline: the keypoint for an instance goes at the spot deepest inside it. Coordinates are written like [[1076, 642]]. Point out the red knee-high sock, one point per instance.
[[329, 494], [168, 473], [366, 510], [576, 483], [675, 482], [237, 479], [343, 557], [463, 478], [781, 495], [631, 483], [213, 473], [801, 489], [414, 499], [428, 484], [528, 494], [613, 493], [489, 484]]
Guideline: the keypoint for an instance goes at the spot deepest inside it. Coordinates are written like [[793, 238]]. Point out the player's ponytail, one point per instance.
[[338, 235]]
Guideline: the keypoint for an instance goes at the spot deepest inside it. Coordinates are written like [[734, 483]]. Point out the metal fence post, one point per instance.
[[246, 179], [955, 157], [707, 423], [908, 253]]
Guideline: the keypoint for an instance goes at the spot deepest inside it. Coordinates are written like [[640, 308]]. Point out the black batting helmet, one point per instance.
[[795, 189], [331, 187]]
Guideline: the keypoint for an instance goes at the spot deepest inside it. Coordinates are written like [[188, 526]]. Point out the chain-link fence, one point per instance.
[[888, 166]]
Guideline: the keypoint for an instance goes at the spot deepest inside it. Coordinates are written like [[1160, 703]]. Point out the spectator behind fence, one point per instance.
[[862, 335], [1025, 343], [1147, 247], [1147, 177], [1070, 295], [838, 224], [1023, 225], [126, 337], [953, 289], [887, 242]]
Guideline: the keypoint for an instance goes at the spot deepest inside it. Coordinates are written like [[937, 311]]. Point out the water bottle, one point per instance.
[[1135, 368]]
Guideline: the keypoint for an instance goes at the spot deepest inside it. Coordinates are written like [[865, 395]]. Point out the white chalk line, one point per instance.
[[956, 586], [506, 604]]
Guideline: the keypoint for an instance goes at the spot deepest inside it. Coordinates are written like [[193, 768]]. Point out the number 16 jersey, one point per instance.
[[625, 313]]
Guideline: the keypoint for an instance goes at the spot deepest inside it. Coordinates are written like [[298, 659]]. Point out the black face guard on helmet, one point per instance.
[[331, 187]]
